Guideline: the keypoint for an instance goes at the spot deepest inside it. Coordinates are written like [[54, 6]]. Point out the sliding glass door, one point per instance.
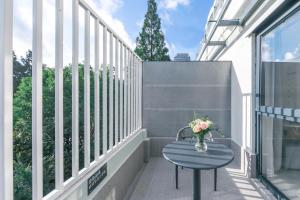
[[278, 110]]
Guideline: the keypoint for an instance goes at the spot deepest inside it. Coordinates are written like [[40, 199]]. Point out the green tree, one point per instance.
[[150, 44], [22, 105], [22, 67]]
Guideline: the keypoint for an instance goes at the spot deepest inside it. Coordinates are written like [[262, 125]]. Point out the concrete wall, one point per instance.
[[173, 91], [119, 185], [123, 164]]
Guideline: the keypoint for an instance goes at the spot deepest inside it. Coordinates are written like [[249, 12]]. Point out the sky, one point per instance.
[[183, 23]]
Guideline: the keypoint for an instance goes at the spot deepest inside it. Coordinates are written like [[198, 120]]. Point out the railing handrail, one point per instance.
[[98, 17]]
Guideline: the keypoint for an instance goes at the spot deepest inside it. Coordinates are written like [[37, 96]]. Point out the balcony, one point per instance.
[[114, 117]]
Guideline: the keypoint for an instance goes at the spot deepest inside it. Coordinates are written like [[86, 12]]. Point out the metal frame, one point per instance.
[[75, 89], [116, 91], [111, 93], [6, 100], [268, 111], [104, 92], [87, 89], [37, 96], [220, 17], [127, 67], [97, 95]]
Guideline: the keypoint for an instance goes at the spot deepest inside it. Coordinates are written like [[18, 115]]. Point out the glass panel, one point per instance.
[[22, 99], [280, 154], [280, 73]]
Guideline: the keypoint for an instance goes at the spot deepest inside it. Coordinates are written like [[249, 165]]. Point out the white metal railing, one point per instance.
[[123, 64], [6, 97]]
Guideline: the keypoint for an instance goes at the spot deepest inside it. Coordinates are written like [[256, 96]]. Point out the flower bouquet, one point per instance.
[[201, 127]]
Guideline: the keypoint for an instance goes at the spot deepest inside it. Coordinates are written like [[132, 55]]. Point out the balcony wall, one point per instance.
[[173, 91]]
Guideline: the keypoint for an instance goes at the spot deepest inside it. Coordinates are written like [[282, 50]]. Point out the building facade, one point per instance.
[[183, 57], [262, 40]]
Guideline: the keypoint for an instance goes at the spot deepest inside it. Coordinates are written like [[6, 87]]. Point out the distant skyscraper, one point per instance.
[[183, 57]]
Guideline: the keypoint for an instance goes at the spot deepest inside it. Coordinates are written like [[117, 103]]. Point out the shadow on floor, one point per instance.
[[157, 182]]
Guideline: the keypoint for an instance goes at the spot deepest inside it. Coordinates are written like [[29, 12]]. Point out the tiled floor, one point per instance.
[[157, 182]]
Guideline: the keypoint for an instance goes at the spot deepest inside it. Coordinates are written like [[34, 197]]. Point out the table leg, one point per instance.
[[176, 176], [197, 185], [215, 177]]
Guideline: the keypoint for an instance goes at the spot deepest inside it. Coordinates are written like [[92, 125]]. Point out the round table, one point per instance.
[[182, 153]]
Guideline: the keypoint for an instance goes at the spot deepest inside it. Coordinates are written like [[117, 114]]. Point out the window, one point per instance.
[[279, 103]]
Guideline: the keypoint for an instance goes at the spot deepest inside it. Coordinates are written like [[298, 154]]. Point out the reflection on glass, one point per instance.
[[280, 87], [280, 155], [280, 82]]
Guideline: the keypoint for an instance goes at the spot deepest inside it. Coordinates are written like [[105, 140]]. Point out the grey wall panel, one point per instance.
[[172, 91], [186, 72], [165, 123], [190, 96]]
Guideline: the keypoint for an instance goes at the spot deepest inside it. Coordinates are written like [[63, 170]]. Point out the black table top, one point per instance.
[[184, 154]]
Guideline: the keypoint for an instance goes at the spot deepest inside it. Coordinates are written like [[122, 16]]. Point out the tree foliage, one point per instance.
[[22, 121], [150, 44]]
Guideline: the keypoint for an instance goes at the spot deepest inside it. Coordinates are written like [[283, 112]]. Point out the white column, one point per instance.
[[37, 98], [132, 93], [59, 110], [104, 92], [87, 91], [116, 91], [129, 91], [125, 92], [75, 90], [121, 91], [97, 107], [141, 94], [111, 92], [6, 100]]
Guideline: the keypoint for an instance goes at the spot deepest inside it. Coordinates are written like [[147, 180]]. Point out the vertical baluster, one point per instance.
[[111, 92], [116, 91], [125, 92], [129, 92], [87, 90], [141, 94], [59, 110], [37, 96], [104, 92], [75, 90], [121, 92], [132, 93], [96, 78], [6, 100]]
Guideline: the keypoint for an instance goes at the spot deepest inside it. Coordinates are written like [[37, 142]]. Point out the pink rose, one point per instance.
[[197, 128], [204, 125]]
